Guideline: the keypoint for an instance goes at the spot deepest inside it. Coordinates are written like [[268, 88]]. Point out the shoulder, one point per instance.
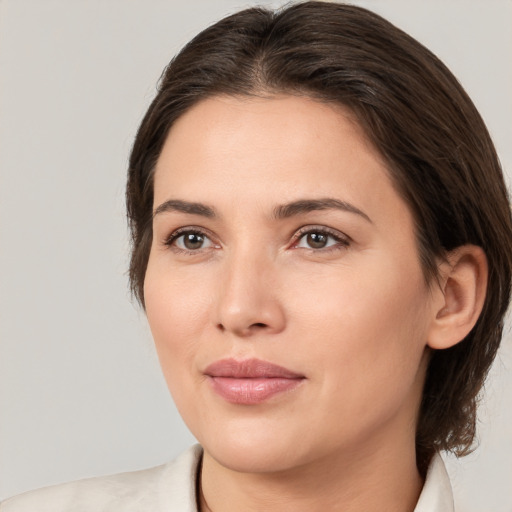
[[170, 487]]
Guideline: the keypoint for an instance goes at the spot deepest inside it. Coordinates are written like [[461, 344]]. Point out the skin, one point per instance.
[[355, 317]]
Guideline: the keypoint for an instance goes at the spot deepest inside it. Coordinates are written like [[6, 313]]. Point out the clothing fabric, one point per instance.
[[172, 488]]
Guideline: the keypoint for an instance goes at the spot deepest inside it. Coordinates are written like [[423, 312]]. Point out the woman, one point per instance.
[[321, 242]]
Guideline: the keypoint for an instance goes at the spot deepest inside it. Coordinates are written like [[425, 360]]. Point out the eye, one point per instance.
[[320, 238], [189, 240]]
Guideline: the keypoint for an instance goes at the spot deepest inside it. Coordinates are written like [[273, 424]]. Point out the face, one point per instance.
[[284, 290]]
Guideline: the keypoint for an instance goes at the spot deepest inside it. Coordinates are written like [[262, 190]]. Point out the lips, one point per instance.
[[251, 381]]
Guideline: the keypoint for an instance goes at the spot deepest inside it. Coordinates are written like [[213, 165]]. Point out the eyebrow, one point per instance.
[[283, 211], [176, 205], [310, 205]]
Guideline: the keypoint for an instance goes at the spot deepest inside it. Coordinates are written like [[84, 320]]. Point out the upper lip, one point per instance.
[[249, 369]]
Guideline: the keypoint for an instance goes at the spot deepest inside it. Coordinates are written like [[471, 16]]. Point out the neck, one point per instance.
[[375, 480]]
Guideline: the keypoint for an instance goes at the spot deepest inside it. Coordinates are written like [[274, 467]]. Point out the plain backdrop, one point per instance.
[[80, 388]]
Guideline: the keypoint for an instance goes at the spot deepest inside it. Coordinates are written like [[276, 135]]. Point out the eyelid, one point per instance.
[[170, 239], [339, 236]]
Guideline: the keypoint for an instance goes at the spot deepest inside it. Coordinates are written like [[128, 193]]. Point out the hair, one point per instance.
[[439, 153]]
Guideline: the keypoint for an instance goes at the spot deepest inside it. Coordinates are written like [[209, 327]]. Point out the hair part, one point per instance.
[[439, 153]]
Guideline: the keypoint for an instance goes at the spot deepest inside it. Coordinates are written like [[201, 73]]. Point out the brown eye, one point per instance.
[[191, 241], [317, 240], [321, 239]]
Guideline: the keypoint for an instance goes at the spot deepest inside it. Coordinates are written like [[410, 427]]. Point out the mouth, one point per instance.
[[251, 381]]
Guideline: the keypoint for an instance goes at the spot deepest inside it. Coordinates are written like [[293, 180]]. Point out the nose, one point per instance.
[[248, 300]]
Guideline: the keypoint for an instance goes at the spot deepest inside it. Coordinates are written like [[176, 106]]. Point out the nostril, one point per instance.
[[252, 327]]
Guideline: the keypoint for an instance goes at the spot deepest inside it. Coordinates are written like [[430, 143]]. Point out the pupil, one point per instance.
[[317, 240], [193, 241]]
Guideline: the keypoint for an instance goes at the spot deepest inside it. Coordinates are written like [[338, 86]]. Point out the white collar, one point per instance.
[[436, 495]]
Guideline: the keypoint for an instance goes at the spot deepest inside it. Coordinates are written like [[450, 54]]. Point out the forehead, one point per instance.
[[291, 138]]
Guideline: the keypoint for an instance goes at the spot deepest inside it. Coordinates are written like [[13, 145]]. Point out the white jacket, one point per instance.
[[172, 488]]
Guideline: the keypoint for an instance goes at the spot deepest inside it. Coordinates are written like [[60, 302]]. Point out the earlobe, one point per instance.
[[461, 296]]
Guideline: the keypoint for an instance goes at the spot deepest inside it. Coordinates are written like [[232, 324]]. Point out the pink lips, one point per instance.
[[250, 381]]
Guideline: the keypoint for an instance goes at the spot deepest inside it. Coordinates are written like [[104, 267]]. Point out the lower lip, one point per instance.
[[252, 391]]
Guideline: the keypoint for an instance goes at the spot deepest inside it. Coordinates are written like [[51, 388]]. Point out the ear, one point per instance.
[[460, 297]]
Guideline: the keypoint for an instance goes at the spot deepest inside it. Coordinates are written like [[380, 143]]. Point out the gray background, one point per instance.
[[80, 387]]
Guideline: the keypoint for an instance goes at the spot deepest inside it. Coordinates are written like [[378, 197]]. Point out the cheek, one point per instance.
[[177, 308], [367, 332], [372, 296]]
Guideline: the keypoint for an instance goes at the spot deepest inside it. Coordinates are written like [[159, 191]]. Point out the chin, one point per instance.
[[257, 448], [247, 457]]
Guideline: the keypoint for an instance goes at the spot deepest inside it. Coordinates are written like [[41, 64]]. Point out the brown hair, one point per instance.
[[439, 153]]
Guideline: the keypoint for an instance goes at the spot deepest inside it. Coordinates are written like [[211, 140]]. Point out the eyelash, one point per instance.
[[342, 241], [170, 241]]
